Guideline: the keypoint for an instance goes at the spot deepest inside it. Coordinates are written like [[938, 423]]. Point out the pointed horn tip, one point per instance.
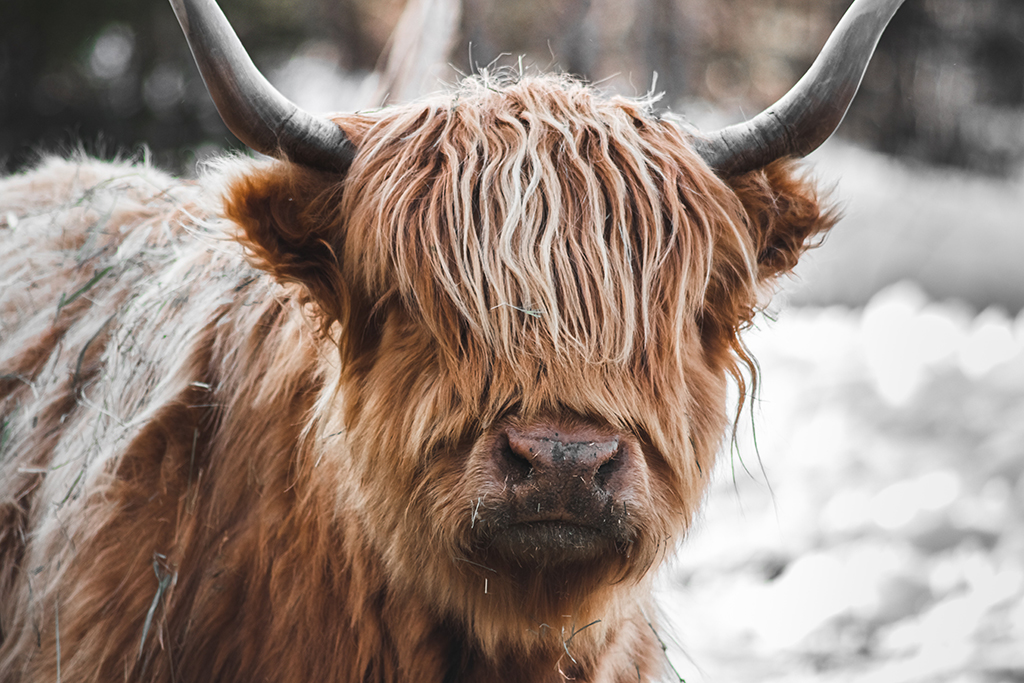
[[805, 117], [253, 110]]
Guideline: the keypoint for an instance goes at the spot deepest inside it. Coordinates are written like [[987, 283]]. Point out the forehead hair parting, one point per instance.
[[538, 216]]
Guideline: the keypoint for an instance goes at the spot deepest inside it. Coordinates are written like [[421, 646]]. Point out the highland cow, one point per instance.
[[427, 397]]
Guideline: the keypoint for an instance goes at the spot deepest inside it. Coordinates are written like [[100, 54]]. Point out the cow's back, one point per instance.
[[72, 238], [116, 303], [75, 237]]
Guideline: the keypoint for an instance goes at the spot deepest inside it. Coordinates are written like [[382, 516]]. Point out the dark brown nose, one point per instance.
[[560, 494], [552, 472], [559, 455], [554, 493]]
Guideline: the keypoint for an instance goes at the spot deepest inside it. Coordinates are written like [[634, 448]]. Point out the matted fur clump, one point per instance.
[[265, 445], [483, 204]]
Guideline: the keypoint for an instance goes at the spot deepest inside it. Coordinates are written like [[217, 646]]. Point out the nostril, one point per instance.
[[517, 463], [606, 470]]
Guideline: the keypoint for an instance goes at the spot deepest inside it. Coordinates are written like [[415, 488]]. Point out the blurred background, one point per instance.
[[946, 86], [874, 529]]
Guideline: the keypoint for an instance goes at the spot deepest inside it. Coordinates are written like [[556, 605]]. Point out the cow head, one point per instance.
[[530, 298]]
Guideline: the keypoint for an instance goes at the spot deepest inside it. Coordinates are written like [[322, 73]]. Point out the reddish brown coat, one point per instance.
[[247, 422]]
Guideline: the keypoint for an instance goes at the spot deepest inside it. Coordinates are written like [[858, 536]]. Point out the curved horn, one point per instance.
[[259, 115], [808, 114]]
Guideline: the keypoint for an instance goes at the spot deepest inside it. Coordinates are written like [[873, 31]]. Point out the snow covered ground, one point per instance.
[[876, 530]]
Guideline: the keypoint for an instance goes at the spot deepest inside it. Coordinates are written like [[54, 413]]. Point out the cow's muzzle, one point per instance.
[[560, 494]]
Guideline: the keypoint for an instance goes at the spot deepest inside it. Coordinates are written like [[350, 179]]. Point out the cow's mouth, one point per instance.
[[541, 543], [554, 534], [555, 494]]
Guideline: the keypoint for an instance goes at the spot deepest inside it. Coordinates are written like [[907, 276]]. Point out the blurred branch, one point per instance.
[[417, 52]]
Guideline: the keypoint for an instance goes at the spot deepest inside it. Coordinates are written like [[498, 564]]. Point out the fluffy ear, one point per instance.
[[289, 224], [786, 214]]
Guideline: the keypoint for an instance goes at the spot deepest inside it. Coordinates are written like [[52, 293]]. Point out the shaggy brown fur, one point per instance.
[[252, 447]]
